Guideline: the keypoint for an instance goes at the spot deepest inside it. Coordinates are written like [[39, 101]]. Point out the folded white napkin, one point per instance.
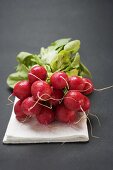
[[34, 132]]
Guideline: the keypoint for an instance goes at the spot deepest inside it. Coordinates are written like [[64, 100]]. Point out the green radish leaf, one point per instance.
[[61, 55], [76, 61], [73, 46], [84, 71], [21, 74], [48, 68], [73, 72], [59, 43], [68, 68], [61, 61], [47, 55], [22, 67], [37, 59], [28, 59], [22, 56]]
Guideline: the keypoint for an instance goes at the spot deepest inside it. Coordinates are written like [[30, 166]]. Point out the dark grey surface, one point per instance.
[[28, 25]]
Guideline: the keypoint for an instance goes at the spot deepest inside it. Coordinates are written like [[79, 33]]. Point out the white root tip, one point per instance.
[[91, 128], [105, 88], [94, 115], [11, 102]]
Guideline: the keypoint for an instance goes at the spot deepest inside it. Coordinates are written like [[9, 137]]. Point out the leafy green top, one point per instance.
[[61, 55]]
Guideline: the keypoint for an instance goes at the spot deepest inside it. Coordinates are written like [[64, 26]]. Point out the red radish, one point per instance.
[[17, 108], [46, 116], [56, 96], [86, 105], [39, 72], [20, 116], [22, 89], [29, 103], [76, 83], [59, 80], [41, 89], [65, 115], [89, 88], [73, 100]]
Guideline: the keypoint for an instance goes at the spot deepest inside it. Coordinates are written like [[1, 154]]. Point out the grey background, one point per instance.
[[27, 25]]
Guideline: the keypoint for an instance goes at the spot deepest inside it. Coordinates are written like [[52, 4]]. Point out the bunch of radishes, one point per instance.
[[60, 100]]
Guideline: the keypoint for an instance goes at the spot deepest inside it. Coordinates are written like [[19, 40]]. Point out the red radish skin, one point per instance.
[[41, 89], [73, 100], [86, 105], [38, 71], [20, 116], [46, 116], [56, 96], [65, 115], [76, 83], [17, 108], [22, 89], [23, 118], [89, 87], [29, 103], [59, 80]]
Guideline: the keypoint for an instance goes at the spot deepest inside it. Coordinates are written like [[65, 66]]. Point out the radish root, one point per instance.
[[37, 102], [66, 82], [87, 88], [35, 76], [83, 117], [94, 115], [11, 102], [26, 119], [101, 89], [105, 88], [91, 128]]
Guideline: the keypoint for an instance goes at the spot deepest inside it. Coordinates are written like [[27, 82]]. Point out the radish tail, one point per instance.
[[11, 102], [94, 115], [105, 88], [91, 128]]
